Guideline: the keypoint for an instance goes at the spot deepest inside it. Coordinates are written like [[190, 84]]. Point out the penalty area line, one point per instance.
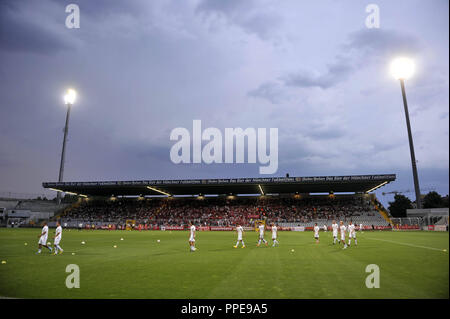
[[405, 244]]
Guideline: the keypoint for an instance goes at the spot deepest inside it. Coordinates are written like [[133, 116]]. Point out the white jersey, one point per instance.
[[191, 238], [43, 238], [239, 230], [335, 228], [351, 229], [261, 230], [44, 230], [58, 232], [274, 232], [360, 226], [343, 229], [316, 231]]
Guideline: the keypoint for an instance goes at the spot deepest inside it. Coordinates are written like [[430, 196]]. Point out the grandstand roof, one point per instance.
[[271, 185]]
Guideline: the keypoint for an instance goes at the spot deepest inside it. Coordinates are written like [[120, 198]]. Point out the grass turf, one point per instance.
[[412, 265]]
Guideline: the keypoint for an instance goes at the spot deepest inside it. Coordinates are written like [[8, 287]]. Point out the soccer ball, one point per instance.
[[121, 238], [73, 254], [3, 261], [292, 250], [26, 244], [158, 240], [82, 243], [115, 246], [48, 244]]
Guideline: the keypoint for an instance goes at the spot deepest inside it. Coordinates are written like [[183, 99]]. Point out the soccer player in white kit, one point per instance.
[[352, 234], [43, 238], [343, 229], [360, 227], [58, 236], [261, 235], [192, 237], [316, 233], [240, 232], [274, 235], [335, 227]]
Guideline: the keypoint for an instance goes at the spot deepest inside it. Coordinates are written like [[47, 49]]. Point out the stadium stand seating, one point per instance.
[[226, 211]]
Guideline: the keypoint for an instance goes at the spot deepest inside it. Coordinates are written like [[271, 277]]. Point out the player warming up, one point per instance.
[[335, 227], [192, 237], [240, 233], [352, 234], [58, 235], [316, 233], [43, 239], [343, 229], [261, 235], [274, 235]]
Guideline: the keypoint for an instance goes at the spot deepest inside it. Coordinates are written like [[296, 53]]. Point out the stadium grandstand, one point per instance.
[[286, 201], [16, 212]]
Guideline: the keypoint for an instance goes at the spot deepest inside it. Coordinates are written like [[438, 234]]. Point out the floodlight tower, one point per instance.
[[403, 68], [69, 99]]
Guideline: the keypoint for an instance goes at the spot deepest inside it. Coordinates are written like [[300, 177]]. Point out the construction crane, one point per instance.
[[408, 191]]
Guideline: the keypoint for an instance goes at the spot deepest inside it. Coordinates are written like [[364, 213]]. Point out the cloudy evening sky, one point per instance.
[[312, 69]]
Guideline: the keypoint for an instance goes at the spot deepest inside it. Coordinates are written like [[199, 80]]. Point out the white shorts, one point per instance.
[[240, 237], [43, 240], [274, 238], [352, 235], [335, 235], [261, 236], [342, 236], [316, 235], [57, 240], [191, 239]]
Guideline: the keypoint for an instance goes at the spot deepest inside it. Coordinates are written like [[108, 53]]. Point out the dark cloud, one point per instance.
[[362, 47], [226, 7], [20, 33], [271, 91], [382, 43], [336, 72], [326, 132], [246, 14]]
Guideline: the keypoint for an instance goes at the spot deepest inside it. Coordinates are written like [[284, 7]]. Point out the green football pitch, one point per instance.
[[411, 264]]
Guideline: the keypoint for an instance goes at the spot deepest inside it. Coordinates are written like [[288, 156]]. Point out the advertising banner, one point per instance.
[[220, 228], [173, 227]]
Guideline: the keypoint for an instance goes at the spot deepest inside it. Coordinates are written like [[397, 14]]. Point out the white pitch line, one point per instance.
[[405, 244]]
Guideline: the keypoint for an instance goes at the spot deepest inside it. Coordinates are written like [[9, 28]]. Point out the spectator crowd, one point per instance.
[[217, 211]]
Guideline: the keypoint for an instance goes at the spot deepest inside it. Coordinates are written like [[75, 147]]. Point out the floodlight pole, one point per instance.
[[411, 148], [63, 153]]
